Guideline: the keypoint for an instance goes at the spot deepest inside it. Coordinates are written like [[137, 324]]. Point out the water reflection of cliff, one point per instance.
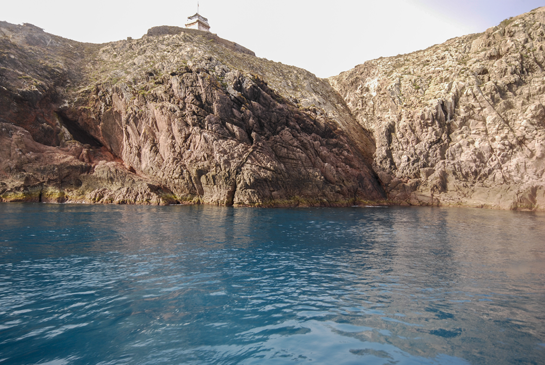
[[389, 282], [450, 276]]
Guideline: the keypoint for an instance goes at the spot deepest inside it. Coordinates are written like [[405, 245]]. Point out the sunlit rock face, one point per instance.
[[461, 123], [184, 116], [178, 116]]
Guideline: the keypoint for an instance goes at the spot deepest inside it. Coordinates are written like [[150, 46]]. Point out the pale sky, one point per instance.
[[324, 37]]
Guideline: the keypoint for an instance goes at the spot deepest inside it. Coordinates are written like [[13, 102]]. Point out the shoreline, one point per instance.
[[295, 202]]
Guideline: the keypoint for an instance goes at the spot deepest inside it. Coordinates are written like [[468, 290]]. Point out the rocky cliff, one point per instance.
[[183, 116], [178, 116], [460, 123]]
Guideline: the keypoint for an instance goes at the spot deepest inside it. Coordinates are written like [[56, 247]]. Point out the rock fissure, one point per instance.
[[182, 116]]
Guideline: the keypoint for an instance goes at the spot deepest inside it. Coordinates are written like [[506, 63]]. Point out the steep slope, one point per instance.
[[176, 116], [461, 123]]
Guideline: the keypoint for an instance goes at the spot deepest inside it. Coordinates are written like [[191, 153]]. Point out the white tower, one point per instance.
[[197, 21]]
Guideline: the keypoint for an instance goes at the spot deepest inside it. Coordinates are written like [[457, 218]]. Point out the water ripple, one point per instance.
[[147, 285]]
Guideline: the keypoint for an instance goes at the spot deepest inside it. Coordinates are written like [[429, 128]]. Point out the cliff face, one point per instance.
[[185, 116], [461, 123], [177, 116]]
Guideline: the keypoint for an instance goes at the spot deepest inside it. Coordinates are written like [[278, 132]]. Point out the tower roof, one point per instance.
[[197, 16]]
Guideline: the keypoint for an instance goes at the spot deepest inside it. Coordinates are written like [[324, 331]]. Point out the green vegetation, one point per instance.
[[463, 61], [221, 82], [506, 22]]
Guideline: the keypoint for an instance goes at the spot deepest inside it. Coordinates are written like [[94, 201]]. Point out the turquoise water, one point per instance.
[[210, 285]]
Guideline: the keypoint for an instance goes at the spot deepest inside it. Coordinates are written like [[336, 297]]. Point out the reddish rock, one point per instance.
[[173, 117]]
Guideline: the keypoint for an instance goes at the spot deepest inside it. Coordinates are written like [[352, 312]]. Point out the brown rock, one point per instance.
[[183, 117], [465, 117]]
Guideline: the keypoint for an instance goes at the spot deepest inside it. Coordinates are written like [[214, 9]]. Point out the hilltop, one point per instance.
[[178, 116], [184, 116]]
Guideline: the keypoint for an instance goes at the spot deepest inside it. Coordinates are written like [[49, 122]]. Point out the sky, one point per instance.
[[323, 37]]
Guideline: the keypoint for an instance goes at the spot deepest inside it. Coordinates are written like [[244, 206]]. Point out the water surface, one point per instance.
[[207, 285]]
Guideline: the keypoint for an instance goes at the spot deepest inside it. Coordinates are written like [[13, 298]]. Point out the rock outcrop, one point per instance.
[[179, 116], [461, 123], [183, 116]]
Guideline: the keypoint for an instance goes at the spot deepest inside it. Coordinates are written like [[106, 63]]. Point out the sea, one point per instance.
[[120, 284]]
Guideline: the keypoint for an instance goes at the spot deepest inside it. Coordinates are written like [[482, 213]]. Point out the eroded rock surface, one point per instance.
[[461, 123], [177, 116], [183, 116]]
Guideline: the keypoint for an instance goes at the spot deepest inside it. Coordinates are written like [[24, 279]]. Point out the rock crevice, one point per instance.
[[178, 117], [183, 116]]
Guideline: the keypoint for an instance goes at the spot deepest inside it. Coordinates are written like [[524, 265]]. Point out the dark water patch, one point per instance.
[[440, 314], [447, 333], [377, 353]]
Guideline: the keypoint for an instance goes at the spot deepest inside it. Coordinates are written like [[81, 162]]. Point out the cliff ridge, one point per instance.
[[184, 116]]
